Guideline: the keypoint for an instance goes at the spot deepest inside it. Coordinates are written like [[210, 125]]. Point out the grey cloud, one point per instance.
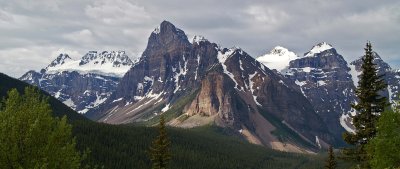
[[34, 31]]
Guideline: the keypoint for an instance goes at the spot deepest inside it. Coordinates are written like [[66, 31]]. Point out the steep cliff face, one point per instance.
[[199, 83], [217, 98]]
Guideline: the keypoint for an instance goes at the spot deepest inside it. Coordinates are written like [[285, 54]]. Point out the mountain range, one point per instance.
[[279, 100]]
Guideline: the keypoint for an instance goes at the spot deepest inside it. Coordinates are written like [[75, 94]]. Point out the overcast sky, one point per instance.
[[33, 32]]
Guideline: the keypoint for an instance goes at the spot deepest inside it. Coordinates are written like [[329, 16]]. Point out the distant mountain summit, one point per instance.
[[60, 60], [81, 84], [108, 63], [278, 58]]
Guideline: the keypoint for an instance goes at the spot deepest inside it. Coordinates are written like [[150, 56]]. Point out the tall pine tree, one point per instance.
[[160, 149], [330, 162], [369, 106], [31, 138]]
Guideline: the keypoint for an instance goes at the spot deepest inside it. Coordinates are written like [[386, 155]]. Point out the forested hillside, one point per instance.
[[125, 146]]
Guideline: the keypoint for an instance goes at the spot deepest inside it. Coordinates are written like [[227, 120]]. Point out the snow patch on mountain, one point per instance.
[[390, 92], [251, 86], [307, 69], [117, 100], [166, 108], [222, 59], [182, 72], [198, 38], [344, 120], [99, 100], [156, 30], [354, 74], [70, 103], [318, 49], [301, 84], [317, 142], [278, 58]]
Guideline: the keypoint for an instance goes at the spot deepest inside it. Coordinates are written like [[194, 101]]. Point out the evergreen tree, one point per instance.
[[370, 105], [330, 162], [160, 149], [31, 138], [384, 149]]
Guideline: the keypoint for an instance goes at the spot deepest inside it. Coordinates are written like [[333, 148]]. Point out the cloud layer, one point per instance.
[[33, 32]]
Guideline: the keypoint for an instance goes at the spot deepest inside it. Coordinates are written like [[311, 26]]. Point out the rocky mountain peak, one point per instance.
[[164, 38], [278, 58], [167, 32], [61, 59], [381, 65], [319, 48], [165, 25]]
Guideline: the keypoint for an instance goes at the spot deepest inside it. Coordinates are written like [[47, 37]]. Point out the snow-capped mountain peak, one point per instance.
[[109, 63], [278, 58], [323, 46], [281, 51], [117, 58]]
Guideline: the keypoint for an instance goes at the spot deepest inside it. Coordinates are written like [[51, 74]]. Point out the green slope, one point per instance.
[[123, 146], [59, 109]]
